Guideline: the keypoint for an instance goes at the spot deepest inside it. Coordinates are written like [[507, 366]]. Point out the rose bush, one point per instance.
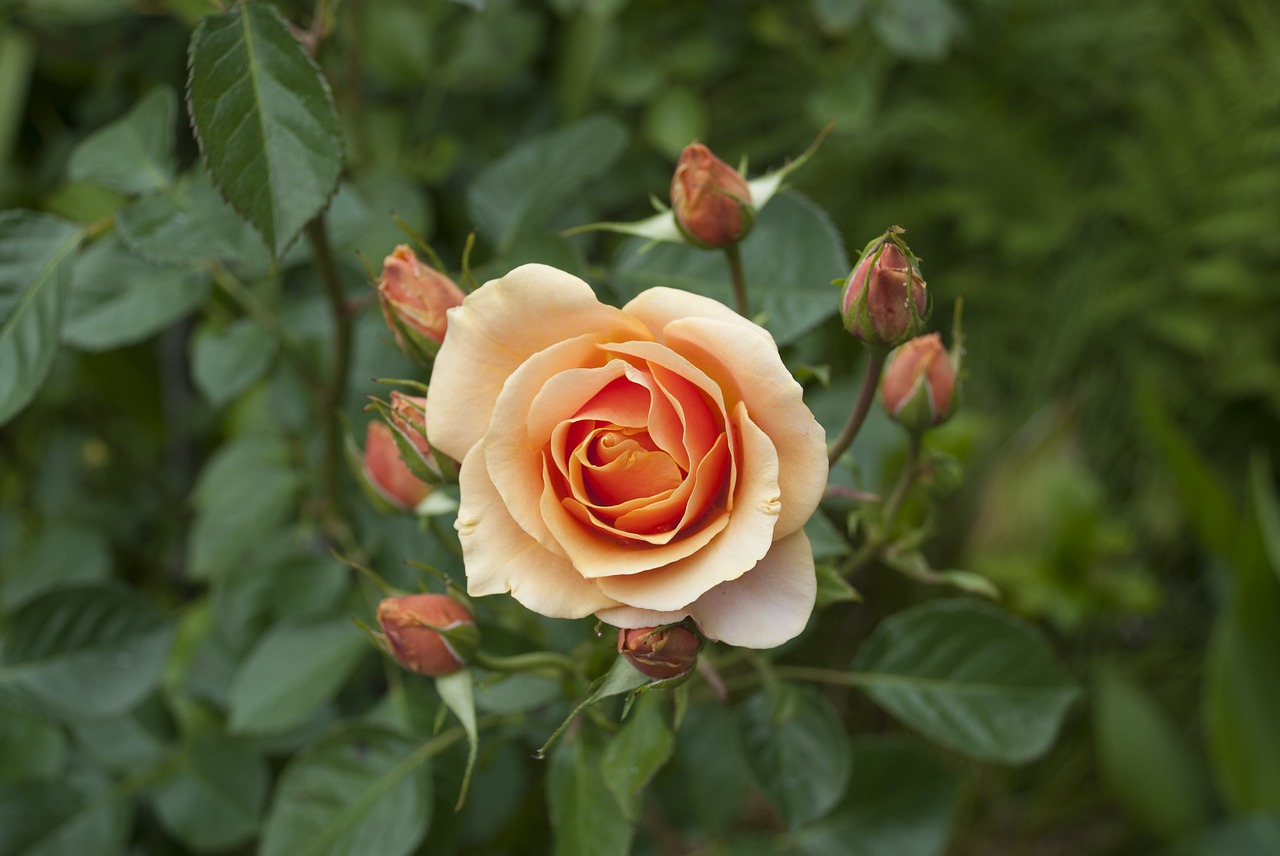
[[644, 464]]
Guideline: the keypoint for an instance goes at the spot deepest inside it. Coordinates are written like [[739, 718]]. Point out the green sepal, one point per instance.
[[457, 692]]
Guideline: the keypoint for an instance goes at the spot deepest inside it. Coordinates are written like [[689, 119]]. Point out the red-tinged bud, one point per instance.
[[710, 199], [884, 302], [918, 388], [661, 652], [428, 634], [415, 298], [387, 473]]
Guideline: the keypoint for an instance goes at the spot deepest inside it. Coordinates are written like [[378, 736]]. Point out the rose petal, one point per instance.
[[658, 307], [500, 556], [630, 616], [497, 328], [774, 400], [732, 553], [766, 606]]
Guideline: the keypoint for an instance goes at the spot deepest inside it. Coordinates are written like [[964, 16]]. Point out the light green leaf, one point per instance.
[[291, 672], [916, 29], [900, 803], [83, 652], [584, 816], [797, 747], [833, 588], [216, 798], [969, 676], [529, 184], [134, 154], [361, 790], [118, 298], [35, 274], [636, 753], [265, 119], [188, 224], [224, 363], [456, 692]]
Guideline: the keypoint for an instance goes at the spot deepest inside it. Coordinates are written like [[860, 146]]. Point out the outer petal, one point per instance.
[[497, 328], [658, 307], [630, 616], [774, 400], [500, 556], [766, 606]]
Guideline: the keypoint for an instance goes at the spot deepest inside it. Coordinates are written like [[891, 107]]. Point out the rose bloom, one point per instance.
[[645, 464]]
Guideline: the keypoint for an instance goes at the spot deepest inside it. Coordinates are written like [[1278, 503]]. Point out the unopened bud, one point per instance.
[[415, 298], [408, 415], [660, 652], [386, 473], [428, 634], [710, 199], [884, 302], [918, 388]]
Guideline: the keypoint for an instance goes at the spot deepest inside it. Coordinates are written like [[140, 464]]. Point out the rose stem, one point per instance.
[[894, 503], [875, 362], [738, 278]]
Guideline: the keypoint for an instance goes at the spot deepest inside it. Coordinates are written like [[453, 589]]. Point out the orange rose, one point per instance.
[[645, 464]]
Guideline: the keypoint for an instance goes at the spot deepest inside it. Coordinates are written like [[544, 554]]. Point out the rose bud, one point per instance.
[[918, 388], [408, 416], [386, 473], [711, 200], [415, 298], [660, 652], [428, 634], [875, 305]]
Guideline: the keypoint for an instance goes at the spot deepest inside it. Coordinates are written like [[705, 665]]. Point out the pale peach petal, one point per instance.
[[775, 401], [766, 606], [500, 556], [732, 553], [498, 327], [629, 616], [658, 307]]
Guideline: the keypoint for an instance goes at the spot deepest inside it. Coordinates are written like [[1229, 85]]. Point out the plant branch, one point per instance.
[[908, 475], [739, 280], [875, 362], [334, 392]]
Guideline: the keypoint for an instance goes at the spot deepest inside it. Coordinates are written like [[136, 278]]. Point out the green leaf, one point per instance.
[[188, 224], [224, 363], [216, 798], [791, 256], [35, 275], [703, 787], [798, 750], [1145, 766], [636, 753], [134, 154], [833, 588], [32, 748], [456, 692], [360, 790], [61, 555], [621, 678], [529, 184], [1257, 835], [900, 803], [969, 676], [245, 492], [291, 672], [585, 818], [916, 29], [265, 119], [118, 298], [1266, 506], [83, 652], [58, 818]]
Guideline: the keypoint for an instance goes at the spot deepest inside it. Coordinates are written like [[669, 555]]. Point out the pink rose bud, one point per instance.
[[660, 652], [876, 305], [387, 473], [428, 634], [415, 298], [918, 388], [711, 200]]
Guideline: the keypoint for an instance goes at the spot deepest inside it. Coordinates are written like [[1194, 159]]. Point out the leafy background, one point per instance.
[[1099, 182]]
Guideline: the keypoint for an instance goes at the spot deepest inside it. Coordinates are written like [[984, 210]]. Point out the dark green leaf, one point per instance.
[[84, 652], [361, 790], [224, 363], [1258, 835], [1266, 506], [118, 298], [134, 154], [216, 798], [637, 752], [969, 676], [532, 182], [917, 29], [704, 784], [265, 120], [584, 815], [188, 224], [35, 274], [900, 802], [32, 748], [79, 815], [292, 671], [61, 555]]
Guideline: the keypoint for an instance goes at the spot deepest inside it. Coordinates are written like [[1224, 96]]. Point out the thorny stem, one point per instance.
[[875, 362], [335, 390], [739, 280]]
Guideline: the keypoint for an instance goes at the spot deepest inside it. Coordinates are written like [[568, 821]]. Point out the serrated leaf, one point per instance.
[[291, 672], [265, 119], [118, 298], [359, 791], [35, 275], [636, 753], [188, 224], [796, 746], [224, 363], [83, 652], [584, 816], [969, 676], [134, 154], [216, 798]]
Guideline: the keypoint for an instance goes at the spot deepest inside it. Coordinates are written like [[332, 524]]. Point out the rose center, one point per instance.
[[620, 465]]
